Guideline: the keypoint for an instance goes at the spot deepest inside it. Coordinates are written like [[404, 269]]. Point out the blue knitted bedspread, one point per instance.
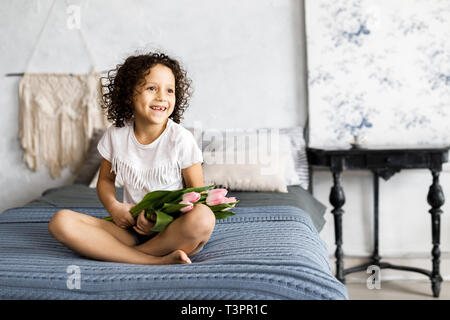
[[271, 252]]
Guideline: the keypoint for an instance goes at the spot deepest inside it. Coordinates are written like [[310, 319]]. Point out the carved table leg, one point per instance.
[[337, 199], [436, 200], [376, 195]]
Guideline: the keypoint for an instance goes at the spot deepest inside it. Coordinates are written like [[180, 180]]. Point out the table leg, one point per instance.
[[436, 200], [376, 256], [337, 199]]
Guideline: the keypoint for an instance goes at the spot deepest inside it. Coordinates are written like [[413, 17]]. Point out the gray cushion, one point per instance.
[[92, 160]]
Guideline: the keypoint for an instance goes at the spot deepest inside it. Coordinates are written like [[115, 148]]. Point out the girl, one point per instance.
[[149, 150]]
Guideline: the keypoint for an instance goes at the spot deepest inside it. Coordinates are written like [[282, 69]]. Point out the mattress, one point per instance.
[[267, 252]]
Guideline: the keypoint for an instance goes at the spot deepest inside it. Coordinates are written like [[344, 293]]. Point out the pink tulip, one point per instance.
[[187, 208], [191, 197], [216, 196], [229, 200], [222, 192], [212, 200]]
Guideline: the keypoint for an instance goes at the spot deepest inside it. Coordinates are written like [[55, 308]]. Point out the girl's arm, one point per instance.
[[106, 192], [193, 176], [106, 189]]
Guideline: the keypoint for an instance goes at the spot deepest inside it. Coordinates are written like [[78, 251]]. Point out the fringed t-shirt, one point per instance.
[[148, 167]]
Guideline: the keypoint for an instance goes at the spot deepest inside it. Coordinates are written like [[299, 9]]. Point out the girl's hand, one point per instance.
[[143, 225], [120, 212]]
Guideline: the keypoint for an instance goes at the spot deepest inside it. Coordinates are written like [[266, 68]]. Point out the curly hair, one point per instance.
[[121, 82]]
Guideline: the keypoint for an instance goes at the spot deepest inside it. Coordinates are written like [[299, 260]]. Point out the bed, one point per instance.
[[270, 250]]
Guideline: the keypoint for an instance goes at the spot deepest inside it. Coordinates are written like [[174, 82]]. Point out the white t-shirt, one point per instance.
[[148, 167]]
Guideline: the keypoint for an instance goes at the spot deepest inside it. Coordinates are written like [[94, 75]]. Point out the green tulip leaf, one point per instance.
[[162, 221], [172, 207], [149, 201], [220, 207], [223, 214]]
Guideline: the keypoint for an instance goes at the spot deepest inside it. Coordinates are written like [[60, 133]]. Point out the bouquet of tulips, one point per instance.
[[168, 205]]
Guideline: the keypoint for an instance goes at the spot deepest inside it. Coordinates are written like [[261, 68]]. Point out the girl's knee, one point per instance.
[[61, 222], [201, 220], [59, 217]]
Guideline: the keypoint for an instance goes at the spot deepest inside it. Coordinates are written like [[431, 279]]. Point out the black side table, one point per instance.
[[384, 162]]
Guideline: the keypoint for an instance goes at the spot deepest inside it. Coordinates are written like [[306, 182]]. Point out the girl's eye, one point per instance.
[[151, 88], [170, 91]]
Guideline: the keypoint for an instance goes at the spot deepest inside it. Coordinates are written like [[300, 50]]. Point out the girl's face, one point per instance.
[[155, 101]]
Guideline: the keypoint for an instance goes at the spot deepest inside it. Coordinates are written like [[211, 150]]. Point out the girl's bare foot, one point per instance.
[[176, 257]]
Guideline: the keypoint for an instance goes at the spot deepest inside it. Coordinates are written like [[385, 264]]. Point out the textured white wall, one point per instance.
[[246, 60]]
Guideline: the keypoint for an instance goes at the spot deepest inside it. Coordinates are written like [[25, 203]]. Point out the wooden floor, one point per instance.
[[398, 290]]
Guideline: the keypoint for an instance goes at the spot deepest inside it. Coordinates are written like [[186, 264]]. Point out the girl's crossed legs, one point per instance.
[[103, 240]]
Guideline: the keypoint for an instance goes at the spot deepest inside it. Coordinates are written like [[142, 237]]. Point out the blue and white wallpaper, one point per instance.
[[380, 70]]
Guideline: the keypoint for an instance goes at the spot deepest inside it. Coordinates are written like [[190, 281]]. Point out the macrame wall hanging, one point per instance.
[[58, 114]]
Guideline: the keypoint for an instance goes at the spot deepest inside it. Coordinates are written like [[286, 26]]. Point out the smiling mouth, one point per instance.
[[158, 108]]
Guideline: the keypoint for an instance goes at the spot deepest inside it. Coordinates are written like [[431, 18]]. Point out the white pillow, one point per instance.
[[93, 183], [267, 174], [297, 142]]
